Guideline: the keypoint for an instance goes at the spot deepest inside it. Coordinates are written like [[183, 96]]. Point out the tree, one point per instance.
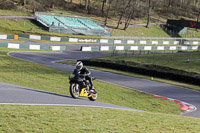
[[169, 3], [110, 2], [86, 5], [131, 13], [116, 7], [123, 10], [102, 8], [148, 13], [89, 8]]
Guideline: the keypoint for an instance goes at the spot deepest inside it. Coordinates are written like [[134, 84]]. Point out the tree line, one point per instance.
[[121, 10]]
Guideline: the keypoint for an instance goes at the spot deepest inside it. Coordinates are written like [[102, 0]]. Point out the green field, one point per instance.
[[152, 31], [194, 87], [172, 60], [162, 116], [55, 119], [28, 27], [13, 13], [37, 76]]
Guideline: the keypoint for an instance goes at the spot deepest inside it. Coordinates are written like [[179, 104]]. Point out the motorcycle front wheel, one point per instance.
[[74, 90], [93, 96]]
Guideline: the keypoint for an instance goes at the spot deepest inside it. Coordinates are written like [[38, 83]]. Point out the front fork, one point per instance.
[[77, 87]]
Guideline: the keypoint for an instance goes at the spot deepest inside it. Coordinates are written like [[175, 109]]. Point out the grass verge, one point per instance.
[[37, 76], [13, 13], [83, 119], [172, 60], [28, 27], [152, 31], [194, 87]]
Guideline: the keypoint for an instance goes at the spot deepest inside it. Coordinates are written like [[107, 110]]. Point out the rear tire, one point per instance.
[[74, 90]]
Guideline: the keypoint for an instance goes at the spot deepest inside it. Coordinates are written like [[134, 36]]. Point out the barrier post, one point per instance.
[[16, 37]]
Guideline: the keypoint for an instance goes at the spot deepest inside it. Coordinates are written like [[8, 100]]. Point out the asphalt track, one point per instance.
[[18, 95], [162, 89]]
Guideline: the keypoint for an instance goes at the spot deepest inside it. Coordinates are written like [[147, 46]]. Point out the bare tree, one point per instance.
[[131, 13], [116, 7], [102, 8], [148, 13], [86, 5], [123, 10], [169, 3], [110, 2]]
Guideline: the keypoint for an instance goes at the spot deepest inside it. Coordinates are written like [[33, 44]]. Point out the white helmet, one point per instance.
[[79, 65]]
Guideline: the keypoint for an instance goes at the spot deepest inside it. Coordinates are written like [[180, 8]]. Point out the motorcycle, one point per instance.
[[81, 88]]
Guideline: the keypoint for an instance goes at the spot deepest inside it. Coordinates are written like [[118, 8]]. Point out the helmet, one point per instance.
[[79, 65]]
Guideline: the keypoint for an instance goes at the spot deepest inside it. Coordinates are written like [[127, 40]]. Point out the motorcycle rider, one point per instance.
[[80, 72]]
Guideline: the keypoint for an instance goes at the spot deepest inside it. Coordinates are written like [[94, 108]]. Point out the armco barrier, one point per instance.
[[139, 47], [33, 47], [172, 74], [108, 41], [8, 37]]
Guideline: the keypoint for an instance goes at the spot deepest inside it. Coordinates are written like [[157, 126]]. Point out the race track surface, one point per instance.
[[162, 89], [13, 94]]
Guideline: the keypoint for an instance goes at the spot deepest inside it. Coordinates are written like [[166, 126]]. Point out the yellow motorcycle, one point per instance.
[[81, 88]]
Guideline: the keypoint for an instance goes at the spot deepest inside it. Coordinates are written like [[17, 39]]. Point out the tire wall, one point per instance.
[[180, 76]]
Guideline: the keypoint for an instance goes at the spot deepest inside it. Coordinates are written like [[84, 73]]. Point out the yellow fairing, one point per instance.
[[84, 93]]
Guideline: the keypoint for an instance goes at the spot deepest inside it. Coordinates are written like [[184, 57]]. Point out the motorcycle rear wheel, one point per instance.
[[74, 91]]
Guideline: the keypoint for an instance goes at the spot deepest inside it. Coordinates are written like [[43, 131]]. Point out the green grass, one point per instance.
[[26, 26], [14, 27], [171, 60], [13, 13], [194, 87], [192, 33], [153, 31], [81, 119], [37, 76]]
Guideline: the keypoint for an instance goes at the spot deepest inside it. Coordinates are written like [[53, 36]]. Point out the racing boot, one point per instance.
[[93, 90]]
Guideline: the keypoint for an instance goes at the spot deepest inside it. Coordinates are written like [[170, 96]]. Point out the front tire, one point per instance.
[[93, 96], [74, 90]]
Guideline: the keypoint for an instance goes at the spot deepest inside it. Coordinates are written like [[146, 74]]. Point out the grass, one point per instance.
[[194, 87], [37, 76], [171, 60], [83, 119], [10, 40], [28, 27], [192, 33], [152, 31], [13, 13]]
